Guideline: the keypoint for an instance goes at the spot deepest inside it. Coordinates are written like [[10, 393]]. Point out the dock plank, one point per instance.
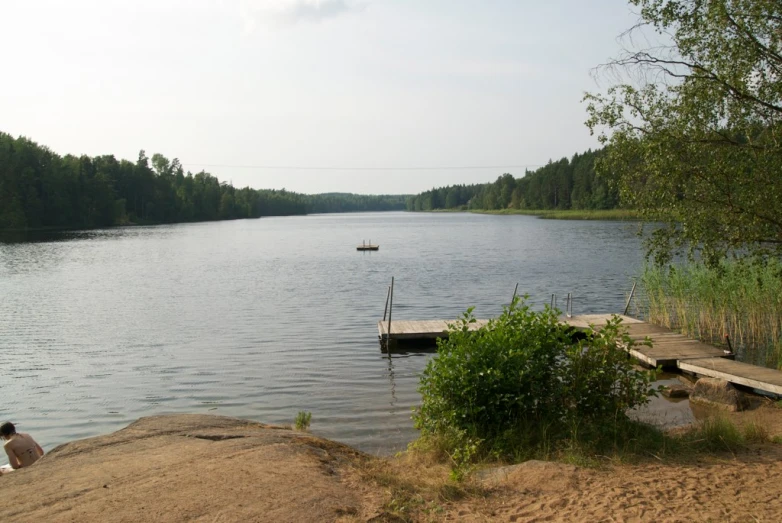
[[583, 321], [420, 329], [760, 378], [669, 355]]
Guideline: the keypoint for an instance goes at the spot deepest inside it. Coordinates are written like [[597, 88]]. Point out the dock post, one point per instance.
[[569, 305], [390, 308], [385, 309], [629, 298]]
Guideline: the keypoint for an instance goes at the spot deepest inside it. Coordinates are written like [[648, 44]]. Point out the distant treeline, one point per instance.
[[39, 189], [565, 184]]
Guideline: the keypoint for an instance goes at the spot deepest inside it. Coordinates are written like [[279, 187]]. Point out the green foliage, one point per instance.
[[302, 421], [346, 202], [561, 185], [521, 384], [693, 127], [38, 189], [740, 298]]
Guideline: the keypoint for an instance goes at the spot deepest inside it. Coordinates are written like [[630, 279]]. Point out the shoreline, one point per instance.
[[206, 467], [571, 214]]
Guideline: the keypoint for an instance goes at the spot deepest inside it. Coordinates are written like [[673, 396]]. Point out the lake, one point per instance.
[[260, 319]]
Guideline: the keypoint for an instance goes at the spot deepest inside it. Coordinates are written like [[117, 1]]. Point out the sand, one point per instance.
[[743, 489]]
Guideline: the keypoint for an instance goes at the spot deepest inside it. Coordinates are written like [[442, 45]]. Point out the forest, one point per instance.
[[41, 189], [564, 184]]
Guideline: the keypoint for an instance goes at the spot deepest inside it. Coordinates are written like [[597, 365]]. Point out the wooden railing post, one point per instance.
[[390, 308], [569, 305], [385, 309], [629, 298]]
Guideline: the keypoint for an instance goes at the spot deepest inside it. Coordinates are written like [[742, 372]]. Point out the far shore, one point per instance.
[[549, 214], [571, 214]]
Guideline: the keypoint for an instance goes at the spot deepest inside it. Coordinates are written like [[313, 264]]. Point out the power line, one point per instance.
[[311, 168]]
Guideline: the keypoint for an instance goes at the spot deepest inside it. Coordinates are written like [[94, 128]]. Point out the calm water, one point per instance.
[[262, 318]]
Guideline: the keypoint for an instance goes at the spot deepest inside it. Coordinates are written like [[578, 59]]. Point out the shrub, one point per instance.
[[521, 384]]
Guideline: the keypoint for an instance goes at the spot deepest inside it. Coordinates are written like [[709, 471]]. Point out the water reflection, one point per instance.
[[665, 412], [391, 381]]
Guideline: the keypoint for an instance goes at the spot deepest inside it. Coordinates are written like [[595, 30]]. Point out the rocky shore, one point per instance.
[[187, 468], [219, 469]]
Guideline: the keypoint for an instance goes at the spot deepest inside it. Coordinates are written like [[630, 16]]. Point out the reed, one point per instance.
[[571, 214], [303, 420], [742, 299]]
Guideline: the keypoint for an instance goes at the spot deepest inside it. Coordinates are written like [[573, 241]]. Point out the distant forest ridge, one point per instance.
[[564, 184], [40, 189]]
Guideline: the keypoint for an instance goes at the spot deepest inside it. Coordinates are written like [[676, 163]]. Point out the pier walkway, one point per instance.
[[669, 349], [420, 330]]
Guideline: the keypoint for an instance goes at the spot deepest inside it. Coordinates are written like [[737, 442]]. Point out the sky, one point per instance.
[[364, 96]]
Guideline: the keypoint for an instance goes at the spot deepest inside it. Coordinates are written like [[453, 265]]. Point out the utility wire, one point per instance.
[[307, 168]]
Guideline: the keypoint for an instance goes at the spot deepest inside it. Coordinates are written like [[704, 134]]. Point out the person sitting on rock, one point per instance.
[[22, 449]]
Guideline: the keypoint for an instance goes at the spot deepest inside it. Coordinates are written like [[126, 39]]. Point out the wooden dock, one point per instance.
[[419, 330], [667, 348], [670, 349], [736, 372], [368, 246]]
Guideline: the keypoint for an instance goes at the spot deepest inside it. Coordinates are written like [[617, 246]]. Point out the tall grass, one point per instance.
[[303, 420], [571, 214], [740, 299]]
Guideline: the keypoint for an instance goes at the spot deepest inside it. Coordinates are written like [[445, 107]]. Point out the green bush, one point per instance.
[[521, 386]]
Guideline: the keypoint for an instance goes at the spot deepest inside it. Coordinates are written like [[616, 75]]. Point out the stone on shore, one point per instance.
[[715, 392], [676, 391]]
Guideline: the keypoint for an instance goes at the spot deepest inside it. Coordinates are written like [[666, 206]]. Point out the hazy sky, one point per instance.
[[309, 83]]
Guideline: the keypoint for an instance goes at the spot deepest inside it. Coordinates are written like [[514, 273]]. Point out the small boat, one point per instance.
[[367, 246]]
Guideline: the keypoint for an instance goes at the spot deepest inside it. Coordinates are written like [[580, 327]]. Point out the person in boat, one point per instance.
[[21, 448]]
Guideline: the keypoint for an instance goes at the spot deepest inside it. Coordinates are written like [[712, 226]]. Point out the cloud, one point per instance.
[[294, 11]]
